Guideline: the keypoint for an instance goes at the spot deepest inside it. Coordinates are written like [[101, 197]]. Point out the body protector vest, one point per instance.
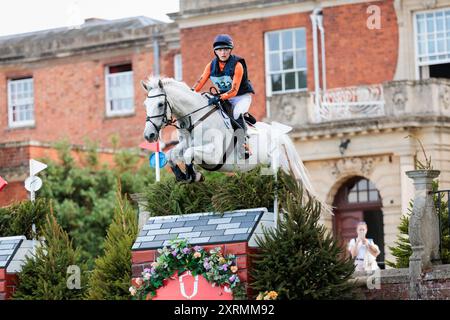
[[224, 79]]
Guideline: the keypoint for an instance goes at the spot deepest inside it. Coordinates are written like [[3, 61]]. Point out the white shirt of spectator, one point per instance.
[[359, 259]]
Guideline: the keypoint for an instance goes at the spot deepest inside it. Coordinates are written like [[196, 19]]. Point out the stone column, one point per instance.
[[423, 228]]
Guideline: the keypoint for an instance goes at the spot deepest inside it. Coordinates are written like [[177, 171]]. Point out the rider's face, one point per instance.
[[223, 53]]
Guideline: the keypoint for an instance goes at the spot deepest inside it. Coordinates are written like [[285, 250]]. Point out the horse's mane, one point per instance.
[[153, 82]]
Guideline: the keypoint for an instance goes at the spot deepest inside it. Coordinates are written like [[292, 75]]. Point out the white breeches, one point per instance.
[[241, 104]]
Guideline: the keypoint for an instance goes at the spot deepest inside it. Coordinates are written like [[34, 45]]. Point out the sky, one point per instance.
[[21, 16]]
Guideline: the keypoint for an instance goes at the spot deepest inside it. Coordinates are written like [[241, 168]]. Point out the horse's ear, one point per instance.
[[160, 84], [145, 86]]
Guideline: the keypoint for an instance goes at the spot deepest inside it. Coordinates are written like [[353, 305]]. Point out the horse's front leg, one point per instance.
[[174, 156]]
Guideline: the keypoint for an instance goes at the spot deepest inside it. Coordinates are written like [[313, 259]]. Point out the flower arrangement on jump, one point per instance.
[[179, 257], [268, 295]]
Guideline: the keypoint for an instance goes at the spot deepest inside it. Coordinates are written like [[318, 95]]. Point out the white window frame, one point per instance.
[[269, 73], [178, 67], [419, 64], [23, 101], [108, 77]]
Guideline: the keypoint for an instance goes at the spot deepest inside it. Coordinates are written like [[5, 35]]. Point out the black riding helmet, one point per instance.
[[223, 41]]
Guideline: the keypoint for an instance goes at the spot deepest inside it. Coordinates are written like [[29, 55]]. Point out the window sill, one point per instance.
[[120, 115], [277, 93], [21, 127]]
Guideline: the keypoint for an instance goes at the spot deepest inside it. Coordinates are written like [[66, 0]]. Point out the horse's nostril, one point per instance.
[[152, 135]]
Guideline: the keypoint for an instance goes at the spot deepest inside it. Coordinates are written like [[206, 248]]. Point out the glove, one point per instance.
[[213, 100]]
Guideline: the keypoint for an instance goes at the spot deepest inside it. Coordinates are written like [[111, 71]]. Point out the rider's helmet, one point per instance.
[[223, 41]]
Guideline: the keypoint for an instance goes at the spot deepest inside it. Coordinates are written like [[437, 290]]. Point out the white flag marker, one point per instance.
[[36, 167]]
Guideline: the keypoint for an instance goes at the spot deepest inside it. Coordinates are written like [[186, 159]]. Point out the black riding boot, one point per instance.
[[243, 138]]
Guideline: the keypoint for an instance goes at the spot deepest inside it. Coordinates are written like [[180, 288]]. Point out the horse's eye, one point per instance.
[[160, 105]]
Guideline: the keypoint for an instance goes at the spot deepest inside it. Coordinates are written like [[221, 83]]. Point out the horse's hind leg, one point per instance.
[[191, 174]]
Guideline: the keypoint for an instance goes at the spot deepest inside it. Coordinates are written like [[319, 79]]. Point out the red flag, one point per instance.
[[3, 184], [149, 146]]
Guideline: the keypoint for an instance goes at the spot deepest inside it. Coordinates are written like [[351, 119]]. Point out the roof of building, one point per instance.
[[192, 8], [8, 248], [200, 228], [63, 41]]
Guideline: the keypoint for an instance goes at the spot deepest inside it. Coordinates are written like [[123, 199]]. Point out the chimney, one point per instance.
[[93, 20]]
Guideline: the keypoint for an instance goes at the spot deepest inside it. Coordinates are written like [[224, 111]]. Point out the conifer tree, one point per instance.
[[299, 259], [46, 275], [111, 277]]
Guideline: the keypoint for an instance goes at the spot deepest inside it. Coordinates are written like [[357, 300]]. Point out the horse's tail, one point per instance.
[[290, 161]]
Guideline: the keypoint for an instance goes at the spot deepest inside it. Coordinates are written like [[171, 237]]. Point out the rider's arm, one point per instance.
[[205, 76], [238, 72]]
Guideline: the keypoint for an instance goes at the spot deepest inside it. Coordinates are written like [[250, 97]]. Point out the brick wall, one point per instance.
[[393, 284], [69, 98], [13, 192], [7, 284], [355, 55], [14, 166]]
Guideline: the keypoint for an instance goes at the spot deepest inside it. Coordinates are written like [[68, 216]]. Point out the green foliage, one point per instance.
[[44, 276], [111, 277], [219, 192], [84, 196], [18, 218], [402, 250], [300, 259]]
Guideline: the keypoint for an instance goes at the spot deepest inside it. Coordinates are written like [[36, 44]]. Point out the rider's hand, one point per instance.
[[213, 100]]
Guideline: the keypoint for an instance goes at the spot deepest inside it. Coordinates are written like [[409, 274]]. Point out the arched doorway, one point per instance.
[[359, 200]]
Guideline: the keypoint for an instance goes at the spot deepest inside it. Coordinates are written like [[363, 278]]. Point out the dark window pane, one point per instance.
[[288, 60], [301, 78], [289, 81], [276, 82], [120, 68]]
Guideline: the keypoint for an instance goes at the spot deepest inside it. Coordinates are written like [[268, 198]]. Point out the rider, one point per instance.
[[229, 73]]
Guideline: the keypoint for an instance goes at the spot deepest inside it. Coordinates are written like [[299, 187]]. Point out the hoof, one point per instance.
[[200, 177]]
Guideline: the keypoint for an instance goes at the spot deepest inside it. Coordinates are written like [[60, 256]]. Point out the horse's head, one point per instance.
[[157, 108]]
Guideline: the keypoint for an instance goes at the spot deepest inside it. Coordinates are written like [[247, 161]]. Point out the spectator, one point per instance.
[[363, 250]]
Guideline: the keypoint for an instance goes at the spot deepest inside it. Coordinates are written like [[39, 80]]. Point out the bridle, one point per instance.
[[170, 121], [164, 121]]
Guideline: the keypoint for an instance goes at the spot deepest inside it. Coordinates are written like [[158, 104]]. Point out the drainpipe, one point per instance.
[[322, 44], [155, 54], [313, 17]]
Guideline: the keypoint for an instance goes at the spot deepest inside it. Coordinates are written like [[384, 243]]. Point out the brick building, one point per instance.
[[76, 83], [353, 78]]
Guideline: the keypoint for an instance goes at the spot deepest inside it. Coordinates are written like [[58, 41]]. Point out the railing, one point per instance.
[[438, 203], [392, 101], [349, 103]]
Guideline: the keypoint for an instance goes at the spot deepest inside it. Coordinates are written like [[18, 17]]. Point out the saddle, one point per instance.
[[227, 107]]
